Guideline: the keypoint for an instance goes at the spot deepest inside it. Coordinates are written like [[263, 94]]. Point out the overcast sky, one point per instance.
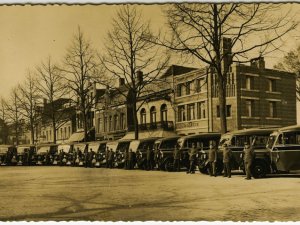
[[31, 33]]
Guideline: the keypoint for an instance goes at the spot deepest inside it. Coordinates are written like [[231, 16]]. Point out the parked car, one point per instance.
[[98, 148], [7, 154], [166, 146], [139, 147], [80, 149], [67, 149], [45, 154], [257, 137], [119, 147], [284, 152], [201, 142], [26, 155]]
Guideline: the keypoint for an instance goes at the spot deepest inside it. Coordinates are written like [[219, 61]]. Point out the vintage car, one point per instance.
[[201, 142], [139, 147], [80, 149], [45, 154], [7, 155], [98, 147], [166, 147], [65, 151], [284, 149], [118, 147], [26, 155], [257, 137]]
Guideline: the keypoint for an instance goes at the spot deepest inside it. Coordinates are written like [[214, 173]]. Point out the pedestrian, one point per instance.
[[47, 158], [141, 162], [160, 156], [177, 158], [192, 152], [131, 159], [74, 156], [227, 154], [111, 158], [91, 158], [126, 157], [212, 158], [61, 157], [106, 157], [156, 164], [249, 156], [149, 158]]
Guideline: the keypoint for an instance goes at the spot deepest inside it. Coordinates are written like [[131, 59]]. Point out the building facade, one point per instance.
[[255, 97]]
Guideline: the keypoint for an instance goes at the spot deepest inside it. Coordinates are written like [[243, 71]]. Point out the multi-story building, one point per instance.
[[255, 97]]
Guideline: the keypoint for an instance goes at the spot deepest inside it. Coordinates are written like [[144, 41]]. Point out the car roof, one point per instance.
[[6, 146], [169, 138], [50, 144], [209, 134], [289, 128], [251, 131]]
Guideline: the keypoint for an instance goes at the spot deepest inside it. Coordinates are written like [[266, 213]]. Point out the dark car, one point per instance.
[[98, 147], [45, 154], [7, 155], [166, 147], [80, 148], [25, 155], [139, 147], [257, 137], [119, 147], [201, 142]]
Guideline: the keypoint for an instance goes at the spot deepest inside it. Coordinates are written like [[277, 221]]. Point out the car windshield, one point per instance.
[[167, 144], [81, 147], [94, 146], [271, 141], [22, 149], [112, 145], [65, 148], [43, 149], [134, 145]]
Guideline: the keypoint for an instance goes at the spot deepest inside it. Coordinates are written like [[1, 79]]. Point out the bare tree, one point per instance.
[[29, 98], [291, 63], [14, 116], [198, 30], [81, 70], [53, 89], [4, 121], [128, 54]]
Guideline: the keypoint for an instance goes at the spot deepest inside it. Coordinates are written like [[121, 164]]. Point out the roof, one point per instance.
[[169, 138], [288, 128], [209, 134], [252, 131], [177, 70]]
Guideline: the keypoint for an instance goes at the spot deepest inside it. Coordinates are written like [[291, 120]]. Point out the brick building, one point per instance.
[[256, 97]]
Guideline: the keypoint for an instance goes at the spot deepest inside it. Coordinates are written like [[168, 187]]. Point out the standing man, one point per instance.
[[177, 158], [130, 164], [106, 157], [192, 158], [227, 154], [110, 158], [212, 158], [156, 164], [126, 161], [149, 158], [249, 156]]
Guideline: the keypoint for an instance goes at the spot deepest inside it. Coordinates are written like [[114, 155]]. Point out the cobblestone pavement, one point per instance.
[[67, 193]]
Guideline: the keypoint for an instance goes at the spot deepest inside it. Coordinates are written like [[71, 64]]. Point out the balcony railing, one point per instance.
[[164, 125]]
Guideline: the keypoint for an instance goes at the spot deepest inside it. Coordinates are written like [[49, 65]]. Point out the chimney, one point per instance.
[[258, 63], [121, 82], [139, 75], [227, 53]]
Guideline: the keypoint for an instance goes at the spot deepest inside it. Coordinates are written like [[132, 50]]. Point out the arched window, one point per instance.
[[143, 116], [153, 115], [163, 113]]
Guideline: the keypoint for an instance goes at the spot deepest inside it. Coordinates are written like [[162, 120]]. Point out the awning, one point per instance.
[[147, 134], [76, 137]]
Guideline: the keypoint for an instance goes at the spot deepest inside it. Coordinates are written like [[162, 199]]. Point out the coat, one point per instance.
[[212, 154], [248, 154], [227, 154]]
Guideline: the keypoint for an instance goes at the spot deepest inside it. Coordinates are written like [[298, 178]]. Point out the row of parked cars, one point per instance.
[[277, 150]]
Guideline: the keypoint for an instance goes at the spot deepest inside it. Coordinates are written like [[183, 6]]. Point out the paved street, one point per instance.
[[65, 193]]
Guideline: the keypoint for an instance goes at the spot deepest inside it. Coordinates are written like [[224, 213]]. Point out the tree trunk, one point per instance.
[[32, 132], [54, 131], [135, 119], [85, 127], [222, 104]]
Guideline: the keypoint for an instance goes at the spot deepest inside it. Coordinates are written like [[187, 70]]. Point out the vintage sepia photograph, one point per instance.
[[178, 111]]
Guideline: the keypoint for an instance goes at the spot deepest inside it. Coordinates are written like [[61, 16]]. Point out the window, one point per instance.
[[122, 121], [110, 123], [249, 108], [181, 113], [164, 113], [153, 115], [249, 82], [116, 124], [227, 111], [180, 90], [291, 138], [200, 85], [188, 88], [272, 85], [143, 116], [99, 125], [201, 113], [105, 124], [190, 112], [272, 109]]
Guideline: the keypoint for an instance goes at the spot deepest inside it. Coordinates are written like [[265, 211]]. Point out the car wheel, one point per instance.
[[168, 165], [259, 169]]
